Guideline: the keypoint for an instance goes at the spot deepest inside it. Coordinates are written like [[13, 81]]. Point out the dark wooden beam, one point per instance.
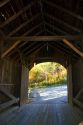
[[56, 28], [64, 10], [22, 25], [63, 23], [10, 49], [61, 49], [37, 50], [17, 14], [32, 29], [8, 104], [29, 46], [73, 47], [23, 43], [14, 45], [34, 48], [65, 49], [3, 2], [5, 92], [43, 38]]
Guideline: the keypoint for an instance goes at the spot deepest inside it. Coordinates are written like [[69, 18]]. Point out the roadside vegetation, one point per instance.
[[47, 74]]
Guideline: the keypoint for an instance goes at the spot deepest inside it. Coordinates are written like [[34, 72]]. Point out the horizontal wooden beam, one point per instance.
[[64, 10], [14, 45], [3, 2], [23, 43], [73, 47], [43, 38]]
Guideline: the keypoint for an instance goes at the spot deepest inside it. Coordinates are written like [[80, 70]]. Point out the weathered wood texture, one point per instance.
[[50, 112], [70, 83], [10, 77], [24, 85], [77, 76]]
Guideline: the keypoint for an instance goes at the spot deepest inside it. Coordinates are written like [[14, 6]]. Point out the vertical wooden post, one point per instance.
[[70, 84], [1, 47], [24, 85]]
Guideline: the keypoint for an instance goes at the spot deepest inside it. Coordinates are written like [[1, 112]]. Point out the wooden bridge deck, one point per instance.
[[47, 112]]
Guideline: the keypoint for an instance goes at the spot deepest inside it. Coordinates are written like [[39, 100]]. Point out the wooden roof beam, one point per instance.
[[37, 50], [3, 2], [64, 10], [56, 28], [73, 47], [62, 22], [29, 46], [33, 49], [43, 38], [59, 49], [22, 25], [14, 45], [17, 14], [23, 43], [32, 29]]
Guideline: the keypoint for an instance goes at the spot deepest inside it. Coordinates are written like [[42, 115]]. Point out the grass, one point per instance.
[[47, 84]]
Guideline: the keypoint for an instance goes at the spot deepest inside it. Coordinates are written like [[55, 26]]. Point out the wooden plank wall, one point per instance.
[[10, 77], [77, 76]]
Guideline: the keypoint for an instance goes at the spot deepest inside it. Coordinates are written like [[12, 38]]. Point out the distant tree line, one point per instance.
[[47, 74]]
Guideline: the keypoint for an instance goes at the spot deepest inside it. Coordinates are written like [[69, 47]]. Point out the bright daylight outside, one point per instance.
[[47, 82]]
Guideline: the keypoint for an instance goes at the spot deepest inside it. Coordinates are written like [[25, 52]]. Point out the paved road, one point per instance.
[[49, 95]]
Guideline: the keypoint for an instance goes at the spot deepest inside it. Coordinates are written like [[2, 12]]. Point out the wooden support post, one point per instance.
[[24, 85], [70, 84]]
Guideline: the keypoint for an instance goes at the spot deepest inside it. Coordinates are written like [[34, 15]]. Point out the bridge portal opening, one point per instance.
[[48, 82]]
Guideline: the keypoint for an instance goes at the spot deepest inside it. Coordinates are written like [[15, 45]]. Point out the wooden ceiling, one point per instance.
[[21, 18]]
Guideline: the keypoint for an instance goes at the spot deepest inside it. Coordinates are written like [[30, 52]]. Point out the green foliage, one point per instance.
[[47, 74]]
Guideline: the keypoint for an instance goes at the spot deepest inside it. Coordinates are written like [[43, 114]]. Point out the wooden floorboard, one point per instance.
[[50, 112]]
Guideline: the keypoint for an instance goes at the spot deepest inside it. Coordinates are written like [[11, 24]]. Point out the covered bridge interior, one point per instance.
[[39, 31]]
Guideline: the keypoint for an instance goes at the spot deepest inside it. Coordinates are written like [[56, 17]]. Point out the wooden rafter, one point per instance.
[[62, 22], [33, 49], [64, 49], [32, 29], [58, 48], [23, 43], [56, 28], [16, 15], [3, 2], [73, 47], [37, 50], [10, 49], [14, 45], [48, 31], [64, 10], [22, 25], [68, 44], [29, 46]]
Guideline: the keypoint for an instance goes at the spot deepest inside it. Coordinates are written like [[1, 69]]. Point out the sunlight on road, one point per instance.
[[51, 93]]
